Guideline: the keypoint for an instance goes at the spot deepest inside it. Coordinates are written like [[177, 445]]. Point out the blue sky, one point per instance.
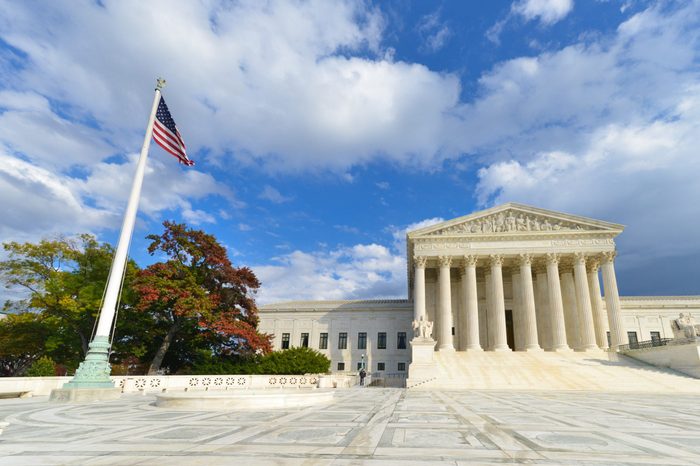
[[323, 130]]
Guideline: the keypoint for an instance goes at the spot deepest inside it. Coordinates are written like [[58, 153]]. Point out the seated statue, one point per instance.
[[423, 329], [685, 327]]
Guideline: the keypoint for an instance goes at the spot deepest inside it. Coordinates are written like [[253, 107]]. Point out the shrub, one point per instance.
[[42, 367], [294, 361]]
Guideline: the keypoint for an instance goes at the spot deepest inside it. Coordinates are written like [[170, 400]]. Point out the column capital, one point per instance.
[[470, 260], [496, 260], [593, 264], [445, 261], [579, 258], [609, 256], [525, 259], [552, 258], [420, 261]]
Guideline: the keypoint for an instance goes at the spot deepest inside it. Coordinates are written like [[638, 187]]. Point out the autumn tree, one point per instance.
[[198, 299]]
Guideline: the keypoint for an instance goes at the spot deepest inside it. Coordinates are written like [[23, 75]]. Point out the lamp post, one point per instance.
[[362, 361]]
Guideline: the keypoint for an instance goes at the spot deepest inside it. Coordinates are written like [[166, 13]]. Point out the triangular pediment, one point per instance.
[[515, 219]]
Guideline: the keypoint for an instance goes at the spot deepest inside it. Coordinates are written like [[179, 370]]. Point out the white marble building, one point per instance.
[[510, 278]]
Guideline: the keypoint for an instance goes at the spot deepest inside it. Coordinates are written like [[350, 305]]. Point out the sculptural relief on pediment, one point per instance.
[[511, 221]]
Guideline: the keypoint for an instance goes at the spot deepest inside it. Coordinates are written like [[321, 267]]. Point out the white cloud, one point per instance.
[[271, 194], [433, 31], [546, 11], [362, 271], [358, 272], [265, 77]]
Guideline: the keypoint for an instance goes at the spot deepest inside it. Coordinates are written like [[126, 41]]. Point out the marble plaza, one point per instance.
[[364, 426]]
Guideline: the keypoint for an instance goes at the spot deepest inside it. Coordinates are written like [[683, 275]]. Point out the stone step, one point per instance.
[[596, 370]]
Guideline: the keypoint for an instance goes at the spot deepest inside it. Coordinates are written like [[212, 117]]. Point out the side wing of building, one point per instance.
[[375, 333]]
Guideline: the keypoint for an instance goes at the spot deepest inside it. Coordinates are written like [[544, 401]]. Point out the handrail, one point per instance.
[[646, 344]]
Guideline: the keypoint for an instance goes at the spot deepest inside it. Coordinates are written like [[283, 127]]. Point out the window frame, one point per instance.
[[285, 340], [381, 340], [342, 340], [323, 340]]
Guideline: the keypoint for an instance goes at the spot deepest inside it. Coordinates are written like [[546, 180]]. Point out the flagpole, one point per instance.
[[94, 371]]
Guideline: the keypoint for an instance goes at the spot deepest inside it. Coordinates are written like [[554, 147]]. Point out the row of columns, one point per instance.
[[588, 320]]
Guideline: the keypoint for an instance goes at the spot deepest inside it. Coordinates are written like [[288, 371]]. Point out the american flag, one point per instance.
[[167, 136]]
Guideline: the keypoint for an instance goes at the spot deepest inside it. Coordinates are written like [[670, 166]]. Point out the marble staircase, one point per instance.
[[598, 370]]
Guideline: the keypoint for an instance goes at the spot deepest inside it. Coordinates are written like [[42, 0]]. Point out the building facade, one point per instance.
[[510, 278]]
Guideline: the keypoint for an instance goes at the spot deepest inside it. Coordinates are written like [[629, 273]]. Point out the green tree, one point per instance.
[[42, 367], [23, 339], [63, 280], [198, 299]]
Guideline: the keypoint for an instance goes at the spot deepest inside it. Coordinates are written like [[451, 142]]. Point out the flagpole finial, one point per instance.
[[160, 84]]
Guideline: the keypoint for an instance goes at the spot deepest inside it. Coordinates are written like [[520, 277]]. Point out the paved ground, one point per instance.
[[365, 426]]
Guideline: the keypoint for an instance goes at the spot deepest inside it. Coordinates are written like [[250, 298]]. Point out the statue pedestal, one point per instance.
[[423, 366]]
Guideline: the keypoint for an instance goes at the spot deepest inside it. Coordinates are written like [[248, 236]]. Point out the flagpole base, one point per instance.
[[91, 381], [94, 371]]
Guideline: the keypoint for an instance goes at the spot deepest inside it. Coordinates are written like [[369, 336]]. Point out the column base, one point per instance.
[[561, 349], [533, 349], [501, 349], [588, 349], [474, 349], [446, 349]]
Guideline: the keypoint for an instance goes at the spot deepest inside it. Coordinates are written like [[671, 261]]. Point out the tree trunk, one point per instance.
[[83, 343], [162, 349]]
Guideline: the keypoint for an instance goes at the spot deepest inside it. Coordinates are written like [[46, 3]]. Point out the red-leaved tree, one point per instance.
[[198, 294]]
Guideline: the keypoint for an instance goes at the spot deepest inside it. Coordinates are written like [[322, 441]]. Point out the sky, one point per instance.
[[323, 130]]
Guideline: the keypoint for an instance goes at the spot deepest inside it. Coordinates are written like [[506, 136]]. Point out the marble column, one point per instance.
[[419, 288], [498, 316], [556, 306], [487, 344], [544, 324], [568, 295], [445, 305], [618, 335], [583, 304], [527, 302], [516, 310], [599, 320], [471, 305]]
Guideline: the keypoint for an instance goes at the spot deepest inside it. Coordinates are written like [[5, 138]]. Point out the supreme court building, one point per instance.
[[512, 278]]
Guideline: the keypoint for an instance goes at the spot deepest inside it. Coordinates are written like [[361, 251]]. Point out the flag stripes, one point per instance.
[[167, 136]]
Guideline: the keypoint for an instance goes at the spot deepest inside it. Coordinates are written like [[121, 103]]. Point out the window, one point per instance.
[[285, 341], [341, 366], [342, 341], [359, 365], [380, 366], [655, 338], [401, 340], [304, 340], [362, 340], [381, 340], [323, 341], [453, 331], [609, 341], [402, 367], [632, 336]]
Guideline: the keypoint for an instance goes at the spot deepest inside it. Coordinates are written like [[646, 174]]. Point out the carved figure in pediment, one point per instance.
[[486, 227], [685, 327], [500, 223], [556, 226], [510, 222], [536, 224], [476, 227], [521, 224], [546, 226]]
